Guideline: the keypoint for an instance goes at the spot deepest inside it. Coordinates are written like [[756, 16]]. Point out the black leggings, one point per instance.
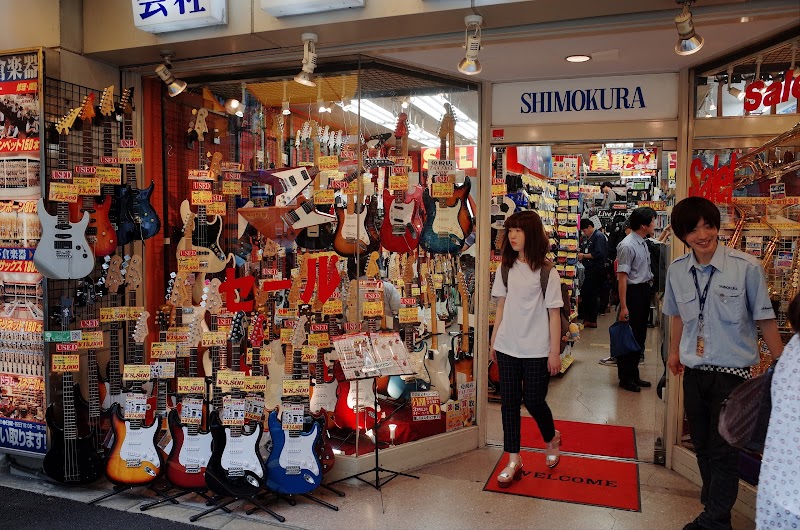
[[523, 380]]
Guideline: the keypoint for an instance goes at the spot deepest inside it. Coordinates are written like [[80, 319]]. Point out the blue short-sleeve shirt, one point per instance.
[[633, 258], [737, 298]]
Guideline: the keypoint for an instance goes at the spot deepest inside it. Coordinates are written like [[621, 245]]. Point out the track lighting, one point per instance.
[[286, 110], [234, 107], [306, 75], [689, 42], [404, 102], [164, 71], [321, 102], [469, 64], [732, 90]]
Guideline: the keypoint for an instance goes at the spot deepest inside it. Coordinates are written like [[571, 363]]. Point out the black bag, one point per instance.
[[744, 417]]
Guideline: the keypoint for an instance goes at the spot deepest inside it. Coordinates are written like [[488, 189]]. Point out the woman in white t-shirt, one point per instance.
[[526, 340]]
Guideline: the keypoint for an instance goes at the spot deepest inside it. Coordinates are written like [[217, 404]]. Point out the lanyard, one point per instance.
[[704, 294]]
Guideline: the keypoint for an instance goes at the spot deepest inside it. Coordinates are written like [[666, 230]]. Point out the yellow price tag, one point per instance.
[[266, 356], [498, 190], [63, 192], [286, 335], [332, 307], [217, 208], [295, 387], [319, 340], [214, 338], [398, 182], [91, 340], [372, 309], [231, 187], [255, 383], [188, 263], [163, 350], [328, 163], [109, 175], [201, 197], [229, 378], [87, 185], [66, 363], [136, 372], [191, 385], [442, 190], [324, 196], [408, 315], [129, 155], [108, 314], [308, 354]]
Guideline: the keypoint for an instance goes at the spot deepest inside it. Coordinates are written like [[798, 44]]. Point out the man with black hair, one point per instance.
[[593, 257], [634, 277], [716, 297], [609, 195]]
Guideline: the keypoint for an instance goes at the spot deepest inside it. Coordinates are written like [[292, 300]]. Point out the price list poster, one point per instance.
[[22, 387]]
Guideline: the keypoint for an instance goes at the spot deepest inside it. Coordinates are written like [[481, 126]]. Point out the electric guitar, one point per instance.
[[461, 361], [134, 458], [70, 459], [100, 233], [436, 362], [63, 252], [402, 222], [139, 220], [501, 207], [293, 467], [448, 221], [315, 231]]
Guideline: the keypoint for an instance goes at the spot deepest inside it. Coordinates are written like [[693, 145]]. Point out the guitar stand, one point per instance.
[[379, 482], [223, 503], [172, 498], [120, 489]]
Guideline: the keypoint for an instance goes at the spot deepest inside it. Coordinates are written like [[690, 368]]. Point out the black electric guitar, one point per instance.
[[71, 459]]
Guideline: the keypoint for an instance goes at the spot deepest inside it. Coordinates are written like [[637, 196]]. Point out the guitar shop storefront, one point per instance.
[[554, 144], [743, 114]]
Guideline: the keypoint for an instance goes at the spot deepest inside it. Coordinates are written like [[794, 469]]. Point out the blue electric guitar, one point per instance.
[[293, 466]]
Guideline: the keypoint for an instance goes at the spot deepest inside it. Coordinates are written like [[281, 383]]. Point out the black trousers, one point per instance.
[[590, 293], [523, 380], [703, 394], [638, 301]]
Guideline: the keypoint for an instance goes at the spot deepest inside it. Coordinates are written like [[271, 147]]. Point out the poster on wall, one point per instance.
[[22, 395], [624, 160]]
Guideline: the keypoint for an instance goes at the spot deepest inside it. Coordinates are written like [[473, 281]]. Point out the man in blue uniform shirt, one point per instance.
[[593, 257], [716, 296]]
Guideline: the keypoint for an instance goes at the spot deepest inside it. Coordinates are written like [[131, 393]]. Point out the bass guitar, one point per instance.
[[100, 233], [139, 220], [402, 222], [134, 458], [63, 252], [293, 467], [70, 459]]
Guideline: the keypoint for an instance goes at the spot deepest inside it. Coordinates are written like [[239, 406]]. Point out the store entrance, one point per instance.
[[565, 183]]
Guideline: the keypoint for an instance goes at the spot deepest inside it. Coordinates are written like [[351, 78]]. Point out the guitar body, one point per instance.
[[101, 234], [139, 219], [212, 259], [323, 241], [134, 459], [272, 396], [438, 366], [186, 463], [355, 233], [85, 465], [324, 448], [399, 388], [346, 415], [402, 222], [235, 468], [63, 264], [447, 222], [82, 413], [293, 467]]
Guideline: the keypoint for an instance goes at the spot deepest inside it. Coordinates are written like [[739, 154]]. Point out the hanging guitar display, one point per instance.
[[63, 252], [461, 360], [70, 459], [139, 220]]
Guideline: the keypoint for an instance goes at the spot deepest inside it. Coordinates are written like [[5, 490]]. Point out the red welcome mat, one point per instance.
[[578, 480], [585, 438]]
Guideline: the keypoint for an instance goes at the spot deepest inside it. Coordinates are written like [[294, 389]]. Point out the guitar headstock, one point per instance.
[[87, 111], [180, 295], [447, 123], [372, 270], [294, 292], [237, 327], [401, 129], [126, 101], [66, 312], [114, 277], [215, 167], [300, 334], [462, 288], [408, 269], [64, 125], [256, 336], [141, 330], [200, 126], [270, 248], [195, 332], [165, 318], [211, 296], [107, 101], [133, 278]]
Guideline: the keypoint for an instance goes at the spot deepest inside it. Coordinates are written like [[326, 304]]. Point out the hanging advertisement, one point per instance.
[[22, 395], [622, 160]]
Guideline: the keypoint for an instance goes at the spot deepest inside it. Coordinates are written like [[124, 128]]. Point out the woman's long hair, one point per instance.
[[536, 241]]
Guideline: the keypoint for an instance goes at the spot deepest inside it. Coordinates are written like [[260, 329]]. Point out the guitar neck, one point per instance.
[[68, 404]]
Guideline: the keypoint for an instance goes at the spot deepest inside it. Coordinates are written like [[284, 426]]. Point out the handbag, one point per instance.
[[744, 416], [622, 341]]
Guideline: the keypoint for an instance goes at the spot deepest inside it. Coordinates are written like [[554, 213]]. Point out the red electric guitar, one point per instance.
[[402, 222]]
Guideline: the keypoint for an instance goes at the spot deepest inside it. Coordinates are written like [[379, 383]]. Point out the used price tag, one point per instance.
[[214, 338], [255, 383], [87, 185], [286, 335], [372, 309], [231, 379], [408, 315], [231, 187], [498, 190], [136, 372], [217, 208], [163, 350], [308, 354], [442, 190], [162, 370], [65, 363], [332, 307], [191, 385], [324, 196], [188, 263], [398, 182], [232, 411], [129, 155], [328, 163], [319, 340], [91, 340], [295, 387], [109, 175], [62, 192], [135, 406], [201, 197], [191, 411]]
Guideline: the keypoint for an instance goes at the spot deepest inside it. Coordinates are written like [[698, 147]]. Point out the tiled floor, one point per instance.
[[449, 494]]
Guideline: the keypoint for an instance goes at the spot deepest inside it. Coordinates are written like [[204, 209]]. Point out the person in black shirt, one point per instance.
[[593, 257]]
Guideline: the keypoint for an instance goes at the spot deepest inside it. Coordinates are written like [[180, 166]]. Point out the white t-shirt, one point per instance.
[[525, 327]]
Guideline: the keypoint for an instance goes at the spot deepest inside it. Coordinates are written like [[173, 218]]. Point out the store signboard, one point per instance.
[[161, 16], [598, 99], [618, 160]]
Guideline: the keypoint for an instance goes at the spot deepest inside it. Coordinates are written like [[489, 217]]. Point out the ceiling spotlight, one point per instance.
[[469, 64], [234, 106], [321, 105], [164, 71], [404, 102], [306, 75], [578, 58], [732, 90], [285, 106], [689, 42], [347, 103]]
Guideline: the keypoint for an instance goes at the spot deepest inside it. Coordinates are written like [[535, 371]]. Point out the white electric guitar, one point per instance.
[[63, 252], [437, 365]]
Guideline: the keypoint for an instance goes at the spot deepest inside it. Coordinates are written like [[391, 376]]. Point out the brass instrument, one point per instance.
[[760, 169], [769, 251], [736, 237]]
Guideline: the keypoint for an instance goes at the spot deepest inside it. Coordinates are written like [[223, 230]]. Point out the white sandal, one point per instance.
[[553, 451], [512, 472]]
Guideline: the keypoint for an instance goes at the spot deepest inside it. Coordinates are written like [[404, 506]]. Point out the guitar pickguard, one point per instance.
[[63, 252]]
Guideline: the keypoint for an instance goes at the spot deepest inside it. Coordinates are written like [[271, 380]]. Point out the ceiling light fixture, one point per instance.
[[321, 102], [469, 64], [578, 58], [759, 61], [234, 107], [404, 102], [164, 71], [732, 90], [285, 106], [306, 75], [689, 42]]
